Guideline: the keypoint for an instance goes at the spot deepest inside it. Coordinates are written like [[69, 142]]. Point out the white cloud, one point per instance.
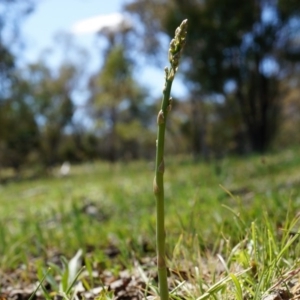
[[112, 22]]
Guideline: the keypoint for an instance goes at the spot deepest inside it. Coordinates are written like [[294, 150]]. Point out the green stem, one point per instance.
[[158, 184], [159, 193]]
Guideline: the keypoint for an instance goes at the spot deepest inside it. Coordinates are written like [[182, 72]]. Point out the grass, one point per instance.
[[231, 225]]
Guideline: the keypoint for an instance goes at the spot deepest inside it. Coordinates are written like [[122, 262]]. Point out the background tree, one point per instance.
[[19, 131], [12, 13], [50, 95], [241, 47], [290, 116], [17, 123], [118, 103], [116, 100]]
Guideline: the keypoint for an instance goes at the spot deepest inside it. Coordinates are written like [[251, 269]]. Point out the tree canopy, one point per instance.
[[240, 65], [241, 48]]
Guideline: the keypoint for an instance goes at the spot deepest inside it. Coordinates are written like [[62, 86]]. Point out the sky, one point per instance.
[[53, 16], [80, 17]]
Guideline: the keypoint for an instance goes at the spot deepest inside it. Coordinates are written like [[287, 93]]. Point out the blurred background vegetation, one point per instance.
[[241, 66]]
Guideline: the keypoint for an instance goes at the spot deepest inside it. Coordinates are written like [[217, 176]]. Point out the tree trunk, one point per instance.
[[200, 147], [259, 110], [112, 155]]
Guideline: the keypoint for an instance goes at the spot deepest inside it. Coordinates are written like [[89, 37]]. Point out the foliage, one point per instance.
[[42, 108], [51, 98], [235, 50], [117, 99], [65, 113], [12, 13], [18, 129], [20, 133]]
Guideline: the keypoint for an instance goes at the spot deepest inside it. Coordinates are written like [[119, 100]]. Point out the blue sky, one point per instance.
[[54, 16]]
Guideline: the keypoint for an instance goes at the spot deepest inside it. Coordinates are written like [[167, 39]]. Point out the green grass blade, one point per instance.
[[39, 285]]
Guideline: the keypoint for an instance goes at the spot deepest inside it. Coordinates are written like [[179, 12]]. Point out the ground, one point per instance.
[[231, 224]]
